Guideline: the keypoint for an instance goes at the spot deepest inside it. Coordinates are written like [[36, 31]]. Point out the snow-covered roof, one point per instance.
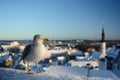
[[102, 73], [113, 52], [57, 51], [96, 54], [83, 63], [75, 53]]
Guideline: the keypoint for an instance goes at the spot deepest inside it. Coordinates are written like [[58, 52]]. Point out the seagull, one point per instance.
[[35, 52]]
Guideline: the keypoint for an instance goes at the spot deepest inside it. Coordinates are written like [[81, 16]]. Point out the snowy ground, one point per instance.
[[53, 73], [11, 74]]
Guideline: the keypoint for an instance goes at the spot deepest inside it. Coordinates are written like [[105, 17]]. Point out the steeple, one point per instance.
[[103, 33]]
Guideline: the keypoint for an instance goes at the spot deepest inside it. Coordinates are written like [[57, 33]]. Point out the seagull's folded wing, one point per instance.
[[26, 51]]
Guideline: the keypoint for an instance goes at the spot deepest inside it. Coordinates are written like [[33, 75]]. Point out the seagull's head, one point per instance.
[[38, 39]]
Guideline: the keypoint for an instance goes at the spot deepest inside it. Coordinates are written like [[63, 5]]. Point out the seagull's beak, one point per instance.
[[46, 39]]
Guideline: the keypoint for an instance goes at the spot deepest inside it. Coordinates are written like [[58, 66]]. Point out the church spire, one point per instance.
[[103, 43], [103, 34]]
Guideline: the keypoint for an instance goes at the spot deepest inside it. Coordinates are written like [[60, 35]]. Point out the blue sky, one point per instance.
[[59, 19]]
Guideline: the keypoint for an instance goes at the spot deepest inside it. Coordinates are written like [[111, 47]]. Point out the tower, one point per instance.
[[102, 60], [103, 44]]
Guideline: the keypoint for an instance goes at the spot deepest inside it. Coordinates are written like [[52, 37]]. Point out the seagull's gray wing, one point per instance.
[[26, 51]]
